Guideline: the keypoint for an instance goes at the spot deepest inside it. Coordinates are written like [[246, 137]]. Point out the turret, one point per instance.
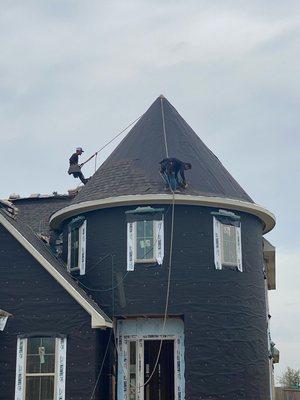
[[183, 268]]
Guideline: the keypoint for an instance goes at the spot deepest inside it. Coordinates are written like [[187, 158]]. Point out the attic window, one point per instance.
[[77, 245], [227, 240], [145, 236]]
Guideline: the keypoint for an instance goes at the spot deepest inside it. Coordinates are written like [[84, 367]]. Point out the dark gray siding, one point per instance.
[[39, 304], [224, 311]]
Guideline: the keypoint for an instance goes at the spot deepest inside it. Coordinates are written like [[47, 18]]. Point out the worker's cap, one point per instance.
[[79, 149]]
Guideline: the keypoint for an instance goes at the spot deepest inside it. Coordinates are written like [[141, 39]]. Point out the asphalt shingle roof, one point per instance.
[[35, 212], [133, 167]]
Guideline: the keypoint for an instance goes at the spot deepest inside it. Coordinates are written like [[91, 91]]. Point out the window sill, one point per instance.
[[146, 261]]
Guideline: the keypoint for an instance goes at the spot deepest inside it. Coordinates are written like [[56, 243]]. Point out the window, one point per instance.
[[41, 364], [145, 243], [77, 245], [227, 240]]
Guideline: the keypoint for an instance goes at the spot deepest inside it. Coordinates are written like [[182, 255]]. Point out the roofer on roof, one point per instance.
[[75, 168], [170, 168]]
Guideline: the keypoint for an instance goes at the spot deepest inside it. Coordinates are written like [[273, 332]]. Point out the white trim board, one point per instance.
[[97, 320], [263, 214]]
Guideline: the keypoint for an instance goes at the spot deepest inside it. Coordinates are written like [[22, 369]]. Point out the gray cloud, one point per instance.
[[75, 73]]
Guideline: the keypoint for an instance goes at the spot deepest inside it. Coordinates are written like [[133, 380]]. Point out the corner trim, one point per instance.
[[263, 214], [97, 320]]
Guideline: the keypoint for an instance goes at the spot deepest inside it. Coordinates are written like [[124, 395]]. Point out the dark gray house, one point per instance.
[[139, 293]]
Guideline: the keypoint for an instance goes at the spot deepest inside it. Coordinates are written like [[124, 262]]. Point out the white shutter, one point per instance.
[[69, 251], [217, 243], [159, 244], [61, 346], [130, 246], [20, 369], [82, 248], [239, 248]]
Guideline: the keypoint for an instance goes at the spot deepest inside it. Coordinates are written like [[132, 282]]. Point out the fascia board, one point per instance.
[[262, 213], [97, 320]]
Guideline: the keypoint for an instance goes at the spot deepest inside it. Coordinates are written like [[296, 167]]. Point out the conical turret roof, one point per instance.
[[133, 167]]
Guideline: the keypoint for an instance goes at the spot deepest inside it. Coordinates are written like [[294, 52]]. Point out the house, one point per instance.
[[143, 293]]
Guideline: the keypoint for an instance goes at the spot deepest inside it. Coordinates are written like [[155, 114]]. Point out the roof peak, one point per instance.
[[133, 167]]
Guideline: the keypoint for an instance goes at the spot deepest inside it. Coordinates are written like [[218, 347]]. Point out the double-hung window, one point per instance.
[[145, 237], [41, 368], [77, 245], [227, 240]]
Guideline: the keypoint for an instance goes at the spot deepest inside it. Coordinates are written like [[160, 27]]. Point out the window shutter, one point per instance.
[[217, 243], [20, 369], [82, 248], [239, 248], [159, 244], [69, 251], [61, 368], [130, 246]]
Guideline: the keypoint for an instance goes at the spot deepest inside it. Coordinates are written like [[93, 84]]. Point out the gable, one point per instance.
[[28, 269]]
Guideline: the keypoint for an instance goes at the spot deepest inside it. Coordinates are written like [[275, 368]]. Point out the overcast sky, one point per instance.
[[74, 73]]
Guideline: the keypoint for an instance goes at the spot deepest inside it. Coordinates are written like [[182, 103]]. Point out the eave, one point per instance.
[[267, 218]]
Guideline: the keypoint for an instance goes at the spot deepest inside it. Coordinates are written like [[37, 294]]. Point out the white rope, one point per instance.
[[170, 257], [164, 126], [96, 156], [110, 141]]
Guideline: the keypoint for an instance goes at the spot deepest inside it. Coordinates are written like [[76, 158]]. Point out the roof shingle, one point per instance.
[[133, 167]]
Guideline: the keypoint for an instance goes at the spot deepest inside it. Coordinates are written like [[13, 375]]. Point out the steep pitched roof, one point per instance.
[[40, 251], [133, 167]]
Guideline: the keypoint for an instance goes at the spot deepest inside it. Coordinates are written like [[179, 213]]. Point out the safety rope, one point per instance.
[[109, 142], [164, 125], [96, 156], [169, 268], [170, 259]]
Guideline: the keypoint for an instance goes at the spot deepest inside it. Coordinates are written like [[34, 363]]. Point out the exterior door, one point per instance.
[[139, 341]]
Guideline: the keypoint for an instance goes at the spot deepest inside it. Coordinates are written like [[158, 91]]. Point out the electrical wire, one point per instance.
[[102, 365], [111, 331], [126, 273]]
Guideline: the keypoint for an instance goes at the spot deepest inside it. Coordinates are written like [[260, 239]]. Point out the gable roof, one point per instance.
[[133, 167], [40, 251]]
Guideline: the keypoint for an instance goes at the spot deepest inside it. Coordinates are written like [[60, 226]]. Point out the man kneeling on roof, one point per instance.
[[75, 168], [170, 168]]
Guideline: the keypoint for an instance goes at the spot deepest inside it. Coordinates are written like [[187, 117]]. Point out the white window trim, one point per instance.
[[217, 226], [81, 250], [59, 372], [158, 244], [125, 335]]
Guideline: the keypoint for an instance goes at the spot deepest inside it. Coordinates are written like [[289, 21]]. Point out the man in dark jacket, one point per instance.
[[75, 168], [170, 168]]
